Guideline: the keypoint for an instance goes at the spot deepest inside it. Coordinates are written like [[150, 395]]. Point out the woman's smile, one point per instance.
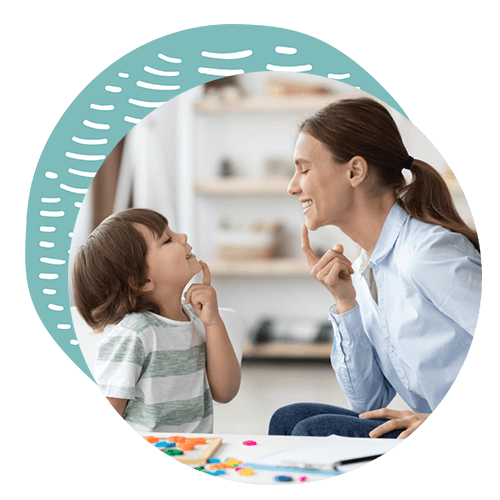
[[306, 205]]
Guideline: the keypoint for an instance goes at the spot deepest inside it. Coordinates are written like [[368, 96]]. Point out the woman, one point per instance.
[[406, 310]]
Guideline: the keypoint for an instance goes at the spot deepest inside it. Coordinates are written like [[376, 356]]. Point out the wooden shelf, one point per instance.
[[242, 185], [297, 350], [255, 267], [264, 104]]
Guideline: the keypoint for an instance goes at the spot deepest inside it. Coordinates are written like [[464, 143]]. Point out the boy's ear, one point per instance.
[[148, 286]]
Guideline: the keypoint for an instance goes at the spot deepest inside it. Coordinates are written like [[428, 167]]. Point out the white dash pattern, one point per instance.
[[228, 55]]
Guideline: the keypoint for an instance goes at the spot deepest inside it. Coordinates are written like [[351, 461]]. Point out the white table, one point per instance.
[[232, 447]]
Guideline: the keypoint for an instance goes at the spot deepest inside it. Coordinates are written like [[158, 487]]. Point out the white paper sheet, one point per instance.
[[324, 453]]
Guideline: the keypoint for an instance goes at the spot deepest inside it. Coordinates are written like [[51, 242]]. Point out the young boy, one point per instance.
[[165, 358]]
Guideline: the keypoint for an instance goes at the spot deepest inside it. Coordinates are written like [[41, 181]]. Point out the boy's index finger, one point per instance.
[[306, 247], [206, 273]]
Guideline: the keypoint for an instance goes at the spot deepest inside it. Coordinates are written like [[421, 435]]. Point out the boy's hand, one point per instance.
[[204, 299]]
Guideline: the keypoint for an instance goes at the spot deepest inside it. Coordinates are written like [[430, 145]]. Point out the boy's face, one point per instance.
[[171, 265]]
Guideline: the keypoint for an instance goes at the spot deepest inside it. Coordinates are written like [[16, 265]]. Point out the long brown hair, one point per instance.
[[363, 127], [110, 269]]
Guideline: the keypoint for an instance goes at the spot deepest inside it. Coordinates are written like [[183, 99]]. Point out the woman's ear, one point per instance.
[[358, 170]]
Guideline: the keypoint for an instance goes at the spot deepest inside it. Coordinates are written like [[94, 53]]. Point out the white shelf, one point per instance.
[[297, 350], [255, 267], [263, 104], [242, 185]]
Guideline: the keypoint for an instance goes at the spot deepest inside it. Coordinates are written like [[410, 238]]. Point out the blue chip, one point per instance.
[[213, 461], [283, 478], [164, 444]]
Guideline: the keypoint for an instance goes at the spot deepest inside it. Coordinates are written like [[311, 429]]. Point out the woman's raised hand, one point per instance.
[[333, 271]]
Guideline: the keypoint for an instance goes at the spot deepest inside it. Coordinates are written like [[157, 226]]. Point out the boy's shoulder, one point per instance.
[[140, 321]]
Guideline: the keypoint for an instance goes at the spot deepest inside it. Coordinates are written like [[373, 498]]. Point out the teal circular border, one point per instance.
[[117, 99]]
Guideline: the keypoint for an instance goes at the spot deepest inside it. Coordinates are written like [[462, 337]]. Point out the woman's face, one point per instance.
[[321, 184]]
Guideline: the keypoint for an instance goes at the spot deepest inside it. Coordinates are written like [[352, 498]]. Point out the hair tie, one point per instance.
[[407, 163]]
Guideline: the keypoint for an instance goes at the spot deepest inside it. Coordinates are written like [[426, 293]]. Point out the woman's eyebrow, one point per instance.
[[301, 160]]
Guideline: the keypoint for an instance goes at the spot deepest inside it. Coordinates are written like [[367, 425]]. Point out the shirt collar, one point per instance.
[[389, 234]]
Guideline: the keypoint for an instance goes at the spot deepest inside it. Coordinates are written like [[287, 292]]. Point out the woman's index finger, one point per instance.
[[306, 247]]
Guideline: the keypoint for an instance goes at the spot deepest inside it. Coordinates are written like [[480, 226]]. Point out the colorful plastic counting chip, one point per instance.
[[233, 462], [164, 444], [196, 441], [185, 446], [213, 460], [249, 443], [245, 472], [217, 472], [151, 439], [283, 478], [173, 452], [302, 479], [220, 466], [177, 439]]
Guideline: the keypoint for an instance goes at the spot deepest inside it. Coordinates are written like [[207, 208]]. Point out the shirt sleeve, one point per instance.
[[448, 273], [119, 362], [356, 365]]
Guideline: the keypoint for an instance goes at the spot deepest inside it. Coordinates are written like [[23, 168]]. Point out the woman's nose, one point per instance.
[[293, 187]]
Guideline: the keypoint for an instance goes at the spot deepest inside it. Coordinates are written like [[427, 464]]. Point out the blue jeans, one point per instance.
[[315, 419]]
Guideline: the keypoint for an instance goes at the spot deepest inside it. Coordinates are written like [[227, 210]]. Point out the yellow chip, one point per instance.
[[245, 472]]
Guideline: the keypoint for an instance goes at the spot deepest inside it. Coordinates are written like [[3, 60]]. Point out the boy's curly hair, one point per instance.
[[110, 269]]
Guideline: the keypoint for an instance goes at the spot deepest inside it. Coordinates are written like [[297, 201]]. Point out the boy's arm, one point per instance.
[[118, 404], [223, 369]]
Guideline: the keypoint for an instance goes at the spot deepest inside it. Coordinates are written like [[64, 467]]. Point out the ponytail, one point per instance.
[[428, 199], [363, 127]]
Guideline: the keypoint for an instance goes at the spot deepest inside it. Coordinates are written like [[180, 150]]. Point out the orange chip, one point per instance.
[[185, 446], [221, 466], [177, 439], [196, 440], [151, 439]]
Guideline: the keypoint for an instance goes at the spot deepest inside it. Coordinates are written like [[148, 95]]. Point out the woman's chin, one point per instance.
[[311, 224]]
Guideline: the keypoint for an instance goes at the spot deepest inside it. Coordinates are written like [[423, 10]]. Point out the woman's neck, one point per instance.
[[367, 220]]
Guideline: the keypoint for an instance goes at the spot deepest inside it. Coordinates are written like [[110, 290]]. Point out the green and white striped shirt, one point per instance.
[[159, 365]]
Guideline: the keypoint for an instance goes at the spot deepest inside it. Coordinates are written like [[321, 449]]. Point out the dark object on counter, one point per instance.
[[263, 332], [325, 333], [226, 169]]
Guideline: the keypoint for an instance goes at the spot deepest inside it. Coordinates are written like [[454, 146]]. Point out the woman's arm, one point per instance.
[[355, 364], [353, 357]]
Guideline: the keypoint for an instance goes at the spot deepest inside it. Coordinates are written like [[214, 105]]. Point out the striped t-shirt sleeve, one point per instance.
[[119, 363]]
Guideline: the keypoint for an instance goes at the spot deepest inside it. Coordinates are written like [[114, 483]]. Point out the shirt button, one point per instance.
[[390, 348]]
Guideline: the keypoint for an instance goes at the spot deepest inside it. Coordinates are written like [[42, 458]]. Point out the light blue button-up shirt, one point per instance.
[[413, 336]]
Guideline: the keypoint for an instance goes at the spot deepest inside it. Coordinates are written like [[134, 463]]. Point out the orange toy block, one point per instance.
[[185, 446], [151, 439], [196, 441], [221, 466], [177, 439], [205, 449]]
